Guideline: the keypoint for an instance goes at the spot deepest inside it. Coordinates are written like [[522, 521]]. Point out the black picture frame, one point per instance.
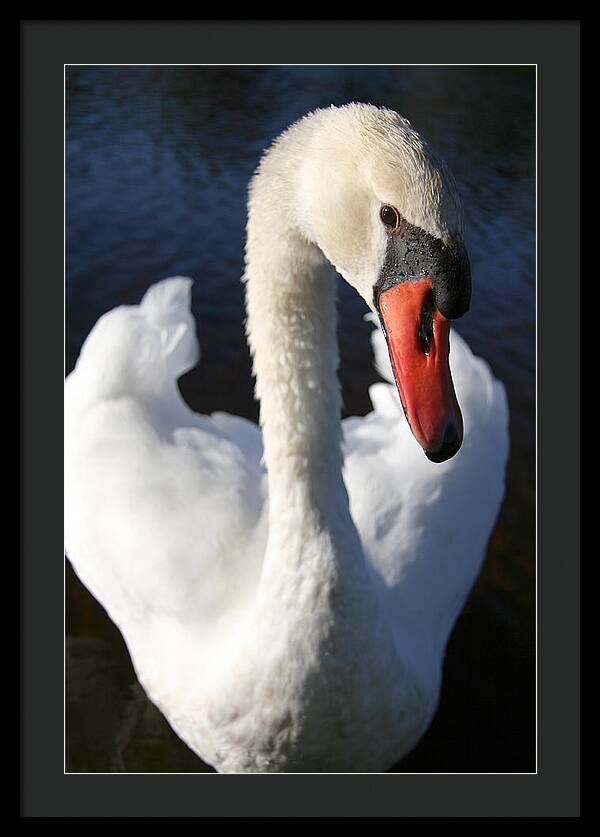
[[46, 47]]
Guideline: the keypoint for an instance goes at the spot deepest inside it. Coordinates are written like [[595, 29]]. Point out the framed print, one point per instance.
[[303, 417]]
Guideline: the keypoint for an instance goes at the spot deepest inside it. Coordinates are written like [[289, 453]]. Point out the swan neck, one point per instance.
[[291, 325]]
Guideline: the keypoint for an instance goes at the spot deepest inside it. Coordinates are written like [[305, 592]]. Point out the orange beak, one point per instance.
[[418, 338]]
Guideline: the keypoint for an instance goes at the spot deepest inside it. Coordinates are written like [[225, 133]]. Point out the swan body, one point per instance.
[[286, 595]]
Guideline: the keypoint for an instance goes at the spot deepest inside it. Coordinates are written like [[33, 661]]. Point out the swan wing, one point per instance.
[[425, 526], [165, 509]]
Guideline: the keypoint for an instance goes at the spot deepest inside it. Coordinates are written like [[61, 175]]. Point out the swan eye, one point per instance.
[[389, 216]]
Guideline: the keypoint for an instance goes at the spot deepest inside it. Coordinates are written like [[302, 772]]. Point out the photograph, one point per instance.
[[300, 308]]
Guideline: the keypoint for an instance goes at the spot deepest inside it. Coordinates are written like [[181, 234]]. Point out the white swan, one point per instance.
[[287, 607]]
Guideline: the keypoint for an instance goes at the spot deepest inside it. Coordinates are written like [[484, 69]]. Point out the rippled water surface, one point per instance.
[[158, 161]]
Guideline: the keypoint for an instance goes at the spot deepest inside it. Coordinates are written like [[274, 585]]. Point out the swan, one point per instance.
[[286, 596]]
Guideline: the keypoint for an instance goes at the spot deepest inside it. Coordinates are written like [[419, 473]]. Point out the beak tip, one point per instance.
[[450, 445]]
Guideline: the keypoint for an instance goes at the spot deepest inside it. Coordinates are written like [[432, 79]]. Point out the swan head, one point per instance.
[[385, 211]]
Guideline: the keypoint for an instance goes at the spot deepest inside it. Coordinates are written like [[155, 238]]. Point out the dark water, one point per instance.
[[158, 160]]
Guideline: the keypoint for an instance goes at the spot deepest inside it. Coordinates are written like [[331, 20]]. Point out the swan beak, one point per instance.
[[418, 338]]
